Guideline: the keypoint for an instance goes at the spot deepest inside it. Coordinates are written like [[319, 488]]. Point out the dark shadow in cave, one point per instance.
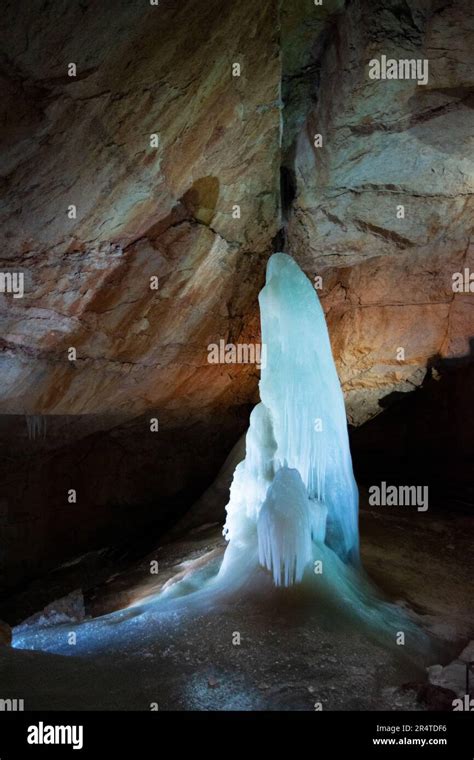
[[425, 437], [288, 190]]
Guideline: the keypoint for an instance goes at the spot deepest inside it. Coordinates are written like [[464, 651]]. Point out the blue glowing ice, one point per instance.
[[293, 500], [296, 484]]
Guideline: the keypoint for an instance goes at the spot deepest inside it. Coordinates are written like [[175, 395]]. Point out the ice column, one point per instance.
[[296, 485]]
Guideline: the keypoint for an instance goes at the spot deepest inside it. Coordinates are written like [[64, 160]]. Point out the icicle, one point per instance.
[[284, 528], [36, 426]]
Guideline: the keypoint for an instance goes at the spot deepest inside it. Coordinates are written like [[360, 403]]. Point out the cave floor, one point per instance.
[[289, 657]]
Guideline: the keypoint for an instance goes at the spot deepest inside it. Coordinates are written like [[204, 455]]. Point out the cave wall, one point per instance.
[[142, 212], [168, 212], [387, 281]]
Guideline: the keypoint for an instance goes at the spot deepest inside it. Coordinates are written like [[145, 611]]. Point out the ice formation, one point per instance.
[[296, 487], [284, 527], [36, 426], [293, 499]]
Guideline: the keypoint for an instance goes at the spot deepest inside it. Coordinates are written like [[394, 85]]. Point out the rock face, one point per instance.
[[143, 73], [180, 170], [455, 675], [387, 271], [145, 76]]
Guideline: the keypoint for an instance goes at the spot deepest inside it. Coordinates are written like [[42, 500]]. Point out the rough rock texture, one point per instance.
[[401, 301], [385, 144], [454, 676], [141, 212]]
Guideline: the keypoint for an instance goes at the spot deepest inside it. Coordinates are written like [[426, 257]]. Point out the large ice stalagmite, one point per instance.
[[293, 499], [296, 485]]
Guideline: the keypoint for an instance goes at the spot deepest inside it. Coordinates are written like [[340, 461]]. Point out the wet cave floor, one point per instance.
[[291, 655]]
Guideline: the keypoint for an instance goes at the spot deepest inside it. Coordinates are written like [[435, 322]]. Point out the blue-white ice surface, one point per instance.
[[293, 500], [296, 482]]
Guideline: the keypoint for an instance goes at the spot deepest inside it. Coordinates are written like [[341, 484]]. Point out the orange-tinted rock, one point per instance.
[[392, 317], [387, 144], [141, 211], [167, 212]]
